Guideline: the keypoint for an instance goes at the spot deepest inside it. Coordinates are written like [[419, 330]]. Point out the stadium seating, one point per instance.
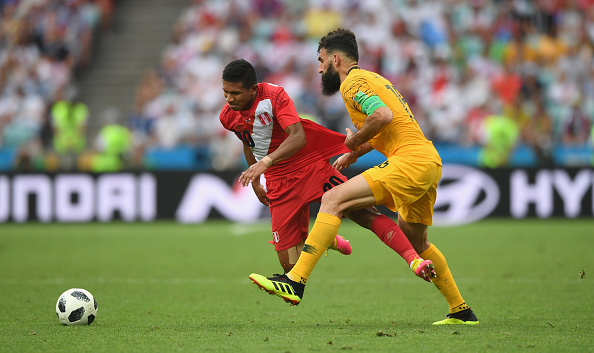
[[457, 63], [42, 46]]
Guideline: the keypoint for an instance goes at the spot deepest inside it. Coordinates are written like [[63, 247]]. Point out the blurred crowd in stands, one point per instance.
[[479, 72], [490, 73], [43, 44]]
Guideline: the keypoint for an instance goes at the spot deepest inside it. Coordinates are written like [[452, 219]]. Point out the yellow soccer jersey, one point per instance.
[[402, 136]]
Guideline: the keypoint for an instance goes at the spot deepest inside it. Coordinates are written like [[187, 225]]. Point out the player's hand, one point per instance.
[[252, 173], [345, 161], [350, 141], [261, 193]]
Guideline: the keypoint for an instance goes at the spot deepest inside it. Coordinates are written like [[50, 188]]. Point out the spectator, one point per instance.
[[320, 19], [507, 84], [575, 126], [69, 120], [475, 122], [501, 136], [113, 145], [22, 117], [518, 112], [539, 135]]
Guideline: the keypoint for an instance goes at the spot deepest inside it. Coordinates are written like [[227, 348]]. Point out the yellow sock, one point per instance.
[[444, 280], [319, 239]]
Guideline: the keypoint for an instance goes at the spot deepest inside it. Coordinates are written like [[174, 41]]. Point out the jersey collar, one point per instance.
[[351, 69]]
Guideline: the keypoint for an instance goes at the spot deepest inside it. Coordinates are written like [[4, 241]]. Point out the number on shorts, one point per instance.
[[332, 182]]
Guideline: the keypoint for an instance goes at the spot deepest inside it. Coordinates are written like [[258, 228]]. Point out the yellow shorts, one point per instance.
[[409, 187]]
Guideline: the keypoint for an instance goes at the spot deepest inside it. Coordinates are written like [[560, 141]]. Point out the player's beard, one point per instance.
[[330, 81]]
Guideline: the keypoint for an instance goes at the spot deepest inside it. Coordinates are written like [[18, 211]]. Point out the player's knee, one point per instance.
[[331, 200]]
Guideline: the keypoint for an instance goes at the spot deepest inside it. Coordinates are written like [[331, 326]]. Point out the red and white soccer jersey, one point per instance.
[[262, 128], [296, 182]]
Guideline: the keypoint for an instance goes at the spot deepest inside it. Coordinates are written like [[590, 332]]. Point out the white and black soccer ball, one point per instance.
[[76, 306]]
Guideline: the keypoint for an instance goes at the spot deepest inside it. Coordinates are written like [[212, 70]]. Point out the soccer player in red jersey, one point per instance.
[[293, 154]]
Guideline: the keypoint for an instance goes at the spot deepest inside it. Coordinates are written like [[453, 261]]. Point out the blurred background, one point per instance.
[[134, 86], [110, 85]]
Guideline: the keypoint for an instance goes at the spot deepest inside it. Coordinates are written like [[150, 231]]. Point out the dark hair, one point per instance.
[[240, 71], [342, 40]]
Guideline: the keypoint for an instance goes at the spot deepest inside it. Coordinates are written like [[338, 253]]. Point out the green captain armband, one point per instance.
[[368, 104]]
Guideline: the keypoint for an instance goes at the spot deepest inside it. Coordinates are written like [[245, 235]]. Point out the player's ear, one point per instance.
[[254, 89]]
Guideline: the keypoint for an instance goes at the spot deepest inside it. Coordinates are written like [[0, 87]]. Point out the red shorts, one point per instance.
[[290, 198]]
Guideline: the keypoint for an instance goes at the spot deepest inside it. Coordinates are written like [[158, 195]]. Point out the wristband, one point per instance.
[[267, 160]]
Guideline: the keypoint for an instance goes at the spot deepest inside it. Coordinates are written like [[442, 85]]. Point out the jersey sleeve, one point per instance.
[[284, 110], [223, 117], [358, 94]]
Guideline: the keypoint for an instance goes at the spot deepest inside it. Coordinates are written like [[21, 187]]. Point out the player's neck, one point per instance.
[[251, 103], [354, 66], [344, 73]]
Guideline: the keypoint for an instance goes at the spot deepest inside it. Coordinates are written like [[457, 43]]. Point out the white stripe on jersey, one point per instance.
[[261, 133]]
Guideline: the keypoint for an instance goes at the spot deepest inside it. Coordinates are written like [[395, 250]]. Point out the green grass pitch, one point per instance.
[[166, 287]]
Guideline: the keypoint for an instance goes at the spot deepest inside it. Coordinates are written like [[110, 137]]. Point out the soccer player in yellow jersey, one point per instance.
[[406, 182]]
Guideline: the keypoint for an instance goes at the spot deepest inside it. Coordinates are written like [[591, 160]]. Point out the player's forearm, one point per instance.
[[288, 148], [365, 148], [249, 156], [295, 141], [374, 124]]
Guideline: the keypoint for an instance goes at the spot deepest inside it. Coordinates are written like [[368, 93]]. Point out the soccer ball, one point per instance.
[[76, 306]]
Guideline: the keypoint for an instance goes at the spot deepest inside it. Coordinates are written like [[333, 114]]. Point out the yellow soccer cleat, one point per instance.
[[280, 285], [464, 317]]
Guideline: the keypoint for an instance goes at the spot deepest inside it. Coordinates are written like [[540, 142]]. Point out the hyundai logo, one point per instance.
[[465, 195]]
